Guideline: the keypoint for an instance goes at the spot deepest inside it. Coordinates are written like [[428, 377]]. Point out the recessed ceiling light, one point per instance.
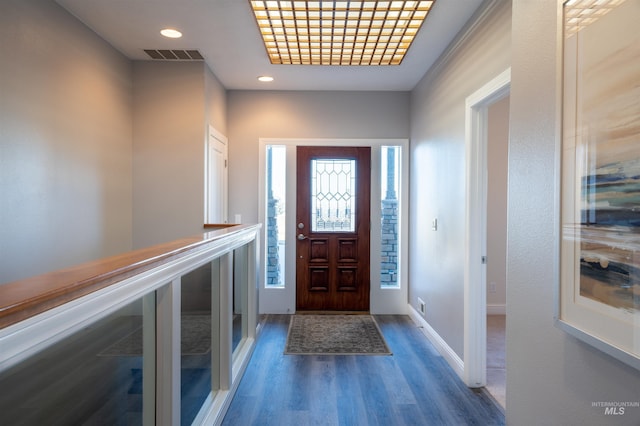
[[265, 78], [171, 33], [339, 32]]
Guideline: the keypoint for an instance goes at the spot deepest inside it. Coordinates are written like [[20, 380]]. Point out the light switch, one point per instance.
[[434, 224]]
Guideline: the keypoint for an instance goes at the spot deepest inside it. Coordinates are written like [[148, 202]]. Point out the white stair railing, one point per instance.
[[58, 332]]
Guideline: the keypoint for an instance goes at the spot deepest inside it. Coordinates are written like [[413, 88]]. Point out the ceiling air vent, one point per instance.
[[174, 55]]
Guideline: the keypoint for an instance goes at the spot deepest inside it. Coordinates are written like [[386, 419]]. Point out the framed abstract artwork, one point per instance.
[[599, 295]]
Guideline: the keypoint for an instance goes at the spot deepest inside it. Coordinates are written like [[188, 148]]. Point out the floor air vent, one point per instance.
[[174, 55]]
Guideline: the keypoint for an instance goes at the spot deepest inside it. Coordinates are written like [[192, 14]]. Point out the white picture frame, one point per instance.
[[599, 295]]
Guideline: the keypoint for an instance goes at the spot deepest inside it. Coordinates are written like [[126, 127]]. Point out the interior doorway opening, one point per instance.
[[496, 231], [475, 272]]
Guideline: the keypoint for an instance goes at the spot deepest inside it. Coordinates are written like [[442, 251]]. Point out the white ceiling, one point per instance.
[[226, 34]]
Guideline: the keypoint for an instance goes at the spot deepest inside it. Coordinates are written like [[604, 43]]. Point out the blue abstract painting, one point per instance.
[[610, 181]]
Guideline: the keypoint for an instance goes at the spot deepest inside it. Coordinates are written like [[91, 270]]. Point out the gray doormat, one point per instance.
[[335, 335]]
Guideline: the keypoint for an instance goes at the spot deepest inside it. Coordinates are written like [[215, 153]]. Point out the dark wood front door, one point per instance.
[[333, 223]]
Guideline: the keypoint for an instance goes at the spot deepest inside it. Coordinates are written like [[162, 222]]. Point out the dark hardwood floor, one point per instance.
[[414, 386]]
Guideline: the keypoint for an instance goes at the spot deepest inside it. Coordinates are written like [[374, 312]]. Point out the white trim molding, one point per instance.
[[452, 358]]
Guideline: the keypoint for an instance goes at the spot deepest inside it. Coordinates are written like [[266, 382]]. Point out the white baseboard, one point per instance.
[[452, 358], [496, 309]]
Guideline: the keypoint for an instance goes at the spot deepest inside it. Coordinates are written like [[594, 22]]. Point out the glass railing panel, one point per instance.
[[103, 366], [240, 287], [94, 376], [237, 328], [195, 360]]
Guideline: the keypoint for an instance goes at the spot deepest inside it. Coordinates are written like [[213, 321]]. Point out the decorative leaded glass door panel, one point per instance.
[[333, 222]]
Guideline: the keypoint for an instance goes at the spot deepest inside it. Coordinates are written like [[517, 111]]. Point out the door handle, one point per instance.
[[302, 237]]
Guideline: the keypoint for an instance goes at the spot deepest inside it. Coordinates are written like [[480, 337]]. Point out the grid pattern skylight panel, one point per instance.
[[579, 14], [339, 32]]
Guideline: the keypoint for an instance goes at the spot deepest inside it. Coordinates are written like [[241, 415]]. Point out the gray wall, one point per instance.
[[269, 114], [174, 102], [65, 142], [437, 180], [215, 102], [95, 151], [552, 378]]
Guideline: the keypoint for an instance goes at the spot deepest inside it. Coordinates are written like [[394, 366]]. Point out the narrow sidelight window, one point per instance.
[[275, 208], [390, 214]]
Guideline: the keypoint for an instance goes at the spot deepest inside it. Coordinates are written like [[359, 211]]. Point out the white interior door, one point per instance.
[[216, 183]]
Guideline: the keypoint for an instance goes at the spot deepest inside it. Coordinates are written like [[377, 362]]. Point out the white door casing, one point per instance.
[[475, 286]]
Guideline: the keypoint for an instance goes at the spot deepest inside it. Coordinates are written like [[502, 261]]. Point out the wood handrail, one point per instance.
[[25, 298]]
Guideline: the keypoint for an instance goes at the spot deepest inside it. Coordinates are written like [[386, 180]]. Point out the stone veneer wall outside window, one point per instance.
[[389, 248]]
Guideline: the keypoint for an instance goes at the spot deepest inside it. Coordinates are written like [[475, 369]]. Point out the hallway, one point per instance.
[[414, 386]]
